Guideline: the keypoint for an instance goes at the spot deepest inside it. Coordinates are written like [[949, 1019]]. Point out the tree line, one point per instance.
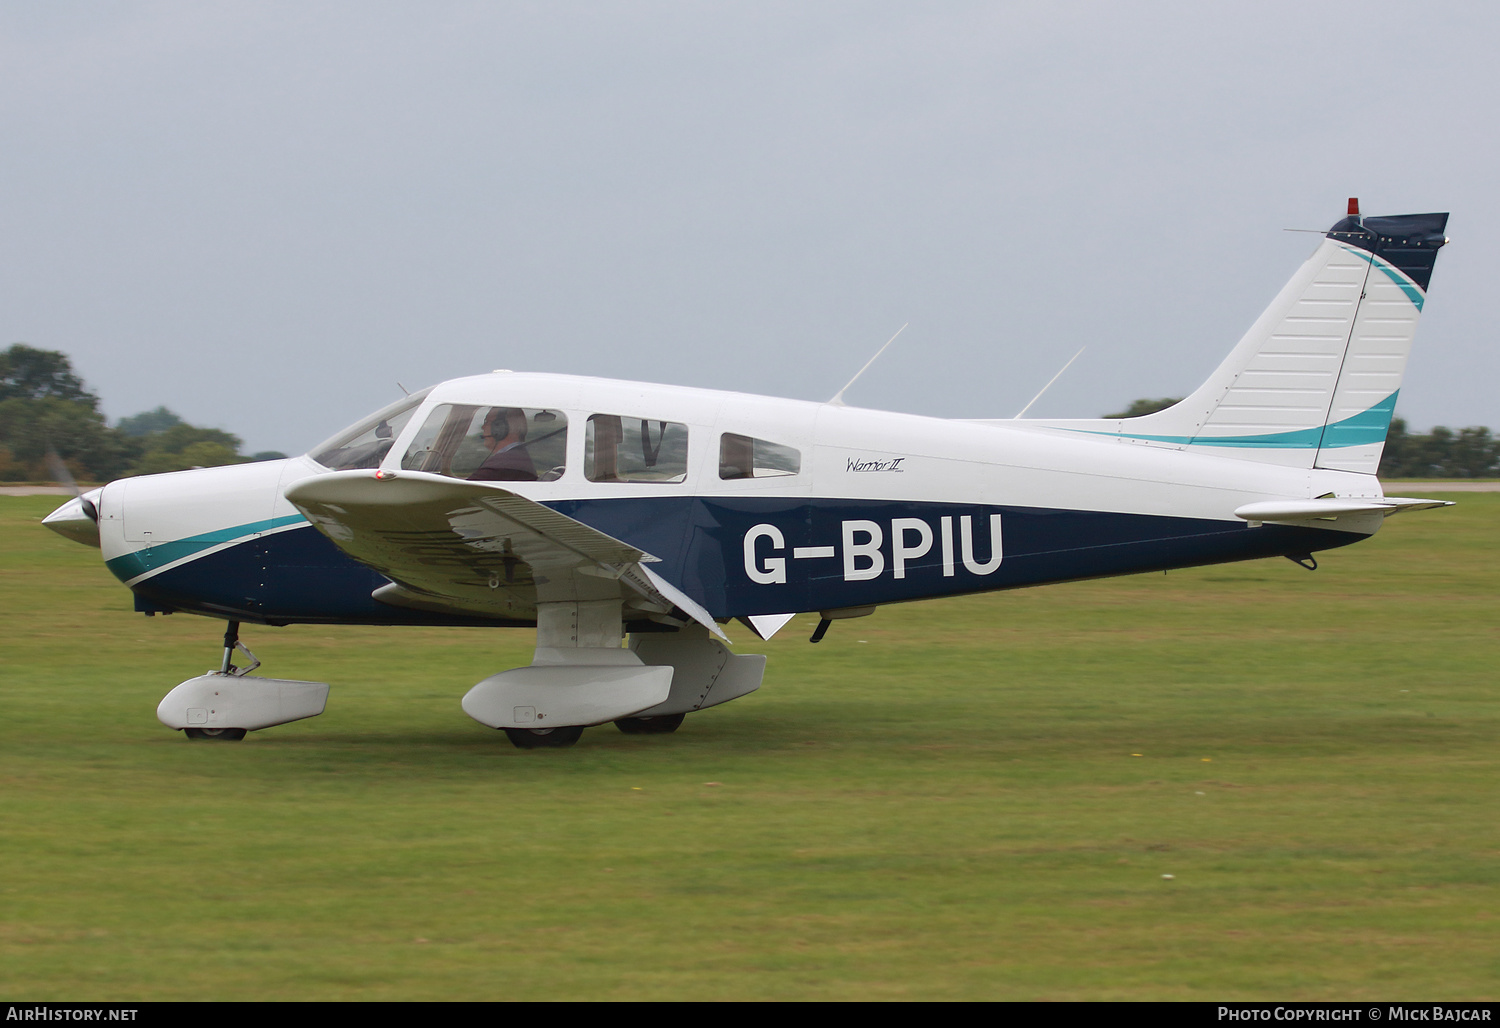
[[1442, 453], [47, 414]]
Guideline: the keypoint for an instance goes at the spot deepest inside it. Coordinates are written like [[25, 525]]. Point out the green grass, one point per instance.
[[942, 801]]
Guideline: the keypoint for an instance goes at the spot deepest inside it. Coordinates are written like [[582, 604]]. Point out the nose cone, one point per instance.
[[78, 519]]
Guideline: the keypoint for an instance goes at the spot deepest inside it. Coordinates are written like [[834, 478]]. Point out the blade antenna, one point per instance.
[[838, 397], [1055, 377]]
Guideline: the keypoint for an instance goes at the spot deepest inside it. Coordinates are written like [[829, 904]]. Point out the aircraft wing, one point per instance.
[[476, 548]]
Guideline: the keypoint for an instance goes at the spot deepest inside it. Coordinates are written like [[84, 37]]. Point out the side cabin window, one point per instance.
[[740, 456], [621, 449], [491, 444], [365, 444]]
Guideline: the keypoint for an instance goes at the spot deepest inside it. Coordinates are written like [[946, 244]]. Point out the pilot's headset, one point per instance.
[[499, 423]]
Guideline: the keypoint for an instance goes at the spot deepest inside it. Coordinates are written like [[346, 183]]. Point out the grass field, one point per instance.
[[966, 799]]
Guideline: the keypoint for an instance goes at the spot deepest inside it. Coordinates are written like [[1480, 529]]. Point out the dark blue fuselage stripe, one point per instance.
[[700, 540], [300, 576]]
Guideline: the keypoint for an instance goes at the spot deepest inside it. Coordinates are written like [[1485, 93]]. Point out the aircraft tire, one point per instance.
[[544, 738], [217, 734], [661, 725]]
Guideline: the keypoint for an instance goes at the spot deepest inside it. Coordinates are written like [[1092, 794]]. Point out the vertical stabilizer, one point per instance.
[[1314, 381]]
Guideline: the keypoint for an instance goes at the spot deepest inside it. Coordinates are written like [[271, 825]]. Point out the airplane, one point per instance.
[[628, 523]]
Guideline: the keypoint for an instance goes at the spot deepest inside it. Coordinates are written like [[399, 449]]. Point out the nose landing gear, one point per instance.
[[226, 704]]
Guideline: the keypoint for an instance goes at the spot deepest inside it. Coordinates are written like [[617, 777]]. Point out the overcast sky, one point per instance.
[[264, 215]]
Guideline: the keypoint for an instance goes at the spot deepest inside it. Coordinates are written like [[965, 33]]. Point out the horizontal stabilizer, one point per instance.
[[1398, 504], [1332, 507]]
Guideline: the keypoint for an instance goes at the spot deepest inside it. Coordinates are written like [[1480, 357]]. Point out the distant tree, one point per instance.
[[75, 431], [45, 406], [268, 455], [184, 446], [149, 422], [1474, 453], [180, 436], [1468, 453], [27, 373], [1138, 408], [201, 454]]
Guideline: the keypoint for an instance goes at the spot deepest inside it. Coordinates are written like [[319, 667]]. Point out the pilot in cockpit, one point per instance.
[[505, 437]]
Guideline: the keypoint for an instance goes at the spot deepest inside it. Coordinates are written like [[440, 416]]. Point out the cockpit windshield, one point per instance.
[[365, 444]]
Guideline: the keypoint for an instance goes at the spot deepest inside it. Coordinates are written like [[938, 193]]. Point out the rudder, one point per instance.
[[1400, 252]]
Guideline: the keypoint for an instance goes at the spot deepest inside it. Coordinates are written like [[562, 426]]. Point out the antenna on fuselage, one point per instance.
[[403, 388], [838, 397], [1055, 377]]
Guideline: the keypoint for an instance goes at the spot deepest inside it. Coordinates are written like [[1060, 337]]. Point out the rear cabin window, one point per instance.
[[621, 449], [741, 456], [491, 444], [365, 445]]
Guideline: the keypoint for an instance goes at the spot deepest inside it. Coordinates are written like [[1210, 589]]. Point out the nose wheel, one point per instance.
[[224, 734], [231, 644], [544, 738]]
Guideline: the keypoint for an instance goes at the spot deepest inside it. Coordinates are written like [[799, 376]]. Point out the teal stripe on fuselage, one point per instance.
[[1362, 429], [157, 555]]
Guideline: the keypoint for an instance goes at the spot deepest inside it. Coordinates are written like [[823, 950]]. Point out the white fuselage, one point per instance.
[[882, 507]]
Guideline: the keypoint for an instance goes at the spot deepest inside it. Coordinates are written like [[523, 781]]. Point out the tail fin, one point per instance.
[[1314, 381]]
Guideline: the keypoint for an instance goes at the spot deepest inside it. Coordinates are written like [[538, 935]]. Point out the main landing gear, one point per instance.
[[224, 705], [645, 690], [557, 738], [662, 724]]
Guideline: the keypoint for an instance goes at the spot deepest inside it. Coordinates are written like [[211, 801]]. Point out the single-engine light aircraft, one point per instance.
[[598, 510]]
